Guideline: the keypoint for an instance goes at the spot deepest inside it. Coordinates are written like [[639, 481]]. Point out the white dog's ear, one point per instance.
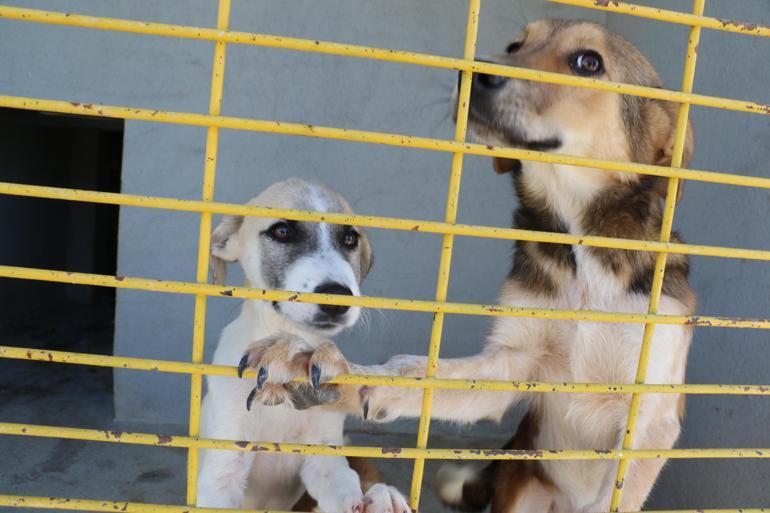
[[224, 247], [367, 256]]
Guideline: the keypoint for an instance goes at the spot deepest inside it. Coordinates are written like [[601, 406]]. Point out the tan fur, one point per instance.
[[286, 357]]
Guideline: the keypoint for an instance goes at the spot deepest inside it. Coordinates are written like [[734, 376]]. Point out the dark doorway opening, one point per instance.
[[79, 152]]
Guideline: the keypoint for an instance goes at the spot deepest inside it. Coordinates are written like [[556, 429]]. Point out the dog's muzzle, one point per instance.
[[334, 312]]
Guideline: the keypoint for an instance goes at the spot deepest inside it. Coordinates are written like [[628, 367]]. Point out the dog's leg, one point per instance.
[[223, 475], [656, 430], [384, 404], [337, 488], [223, 478]]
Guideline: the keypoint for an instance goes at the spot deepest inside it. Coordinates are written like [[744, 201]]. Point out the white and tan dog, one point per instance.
[[580, 201], [290, 337]]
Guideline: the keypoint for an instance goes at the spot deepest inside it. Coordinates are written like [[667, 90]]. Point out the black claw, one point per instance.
[[250, 399], [315, 376], [261, 377], [366, 410], [242, 365]]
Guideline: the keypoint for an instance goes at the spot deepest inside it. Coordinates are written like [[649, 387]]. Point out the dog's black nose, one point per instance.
[[483, 81], [333, 288], [489, 81]]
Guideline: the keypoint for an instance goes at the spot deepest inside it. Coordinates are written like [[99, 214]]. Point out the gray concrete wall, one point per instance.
[[81, 65]]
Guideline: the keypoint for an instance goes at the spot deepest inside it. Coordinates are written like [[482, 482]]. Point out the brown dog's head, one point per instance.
[[570, 120]]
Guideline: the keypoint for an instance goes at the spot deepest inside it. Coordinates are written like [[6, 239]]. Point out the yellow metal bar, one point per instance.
[[204, 243], [62, 503], [404, 453], [344, 134], [447, 243], [660, 261], [388, 223], [681, 18], [144, 364], [412, 305], [383, 54]]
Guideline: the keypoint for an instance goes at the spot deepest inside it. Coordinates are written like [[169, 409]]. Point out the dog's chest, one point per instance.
[[603, 352]]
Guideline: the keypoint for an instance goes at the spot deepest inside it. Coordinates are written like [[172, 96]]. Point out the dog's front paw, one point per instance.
[[278, 359], [283, 359], [382, 498], [326, 362], [380, 404]]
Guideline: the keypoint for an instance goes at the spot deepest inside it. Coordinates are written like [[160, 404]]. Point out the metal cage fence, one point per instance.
[[214, 121]]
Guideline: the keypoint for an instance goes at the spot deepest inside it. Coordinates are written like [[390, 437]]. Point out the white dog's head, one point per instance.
[[299, 256]]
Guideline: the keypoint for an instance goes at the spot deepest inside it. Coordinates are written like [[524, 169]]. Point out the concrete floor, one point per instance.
[[80, 396]]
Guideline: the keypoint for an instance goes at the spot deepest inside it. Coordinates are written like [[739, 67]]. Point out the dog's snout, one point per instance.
[[489, 81], [333, 288], [482, 80]]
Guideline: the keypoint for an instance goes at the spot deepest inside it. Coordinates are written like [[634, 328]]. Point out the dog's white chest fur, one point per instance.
[[592, 352], [274, 479]]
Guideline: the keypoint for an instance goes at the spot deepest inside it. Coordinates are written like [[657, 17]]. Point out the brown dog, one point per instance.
[[581, 201], [554, 198]]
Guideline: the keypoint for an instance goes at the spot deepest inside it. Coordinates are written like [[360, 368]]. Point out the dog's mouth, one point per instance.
[[319, 322], [511, 137], [323, 326]]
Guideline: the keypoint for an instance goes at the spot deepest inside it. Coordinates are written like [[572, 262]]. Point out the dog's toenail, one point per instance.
[[242, 365], [249, 399], [315, 376], [261, 377]]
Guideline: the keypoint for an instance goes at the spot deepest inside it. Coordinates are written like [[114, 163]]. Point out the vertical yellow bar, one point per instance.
[[660, 262], [446, 247], [204, 241]]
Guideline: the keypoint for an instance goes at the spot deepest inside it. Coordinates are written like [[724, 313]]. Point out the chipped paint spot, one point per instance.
[[747, 27], [391, 450], [164, 439], [228, 292]]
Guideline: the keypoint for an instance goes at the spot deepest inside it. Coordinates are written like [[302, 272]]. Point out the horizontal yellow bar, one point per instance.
[[408, 453], [383, 54], [681, 18], [61, 503], [22, 501], [343, 134], [122, 362], [389, 223], [412, 305]]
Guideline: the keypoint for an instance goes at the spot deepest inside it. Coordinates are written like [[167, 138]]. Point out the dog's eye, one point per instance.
[[586, 63], [350, 239], [281, 232], [514, 47]]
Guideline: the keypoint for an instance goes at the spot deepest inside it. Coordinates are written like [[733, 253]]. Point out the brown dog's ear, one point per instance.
[[664, 154], [664, 158], [502, 166], [224, 247]]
